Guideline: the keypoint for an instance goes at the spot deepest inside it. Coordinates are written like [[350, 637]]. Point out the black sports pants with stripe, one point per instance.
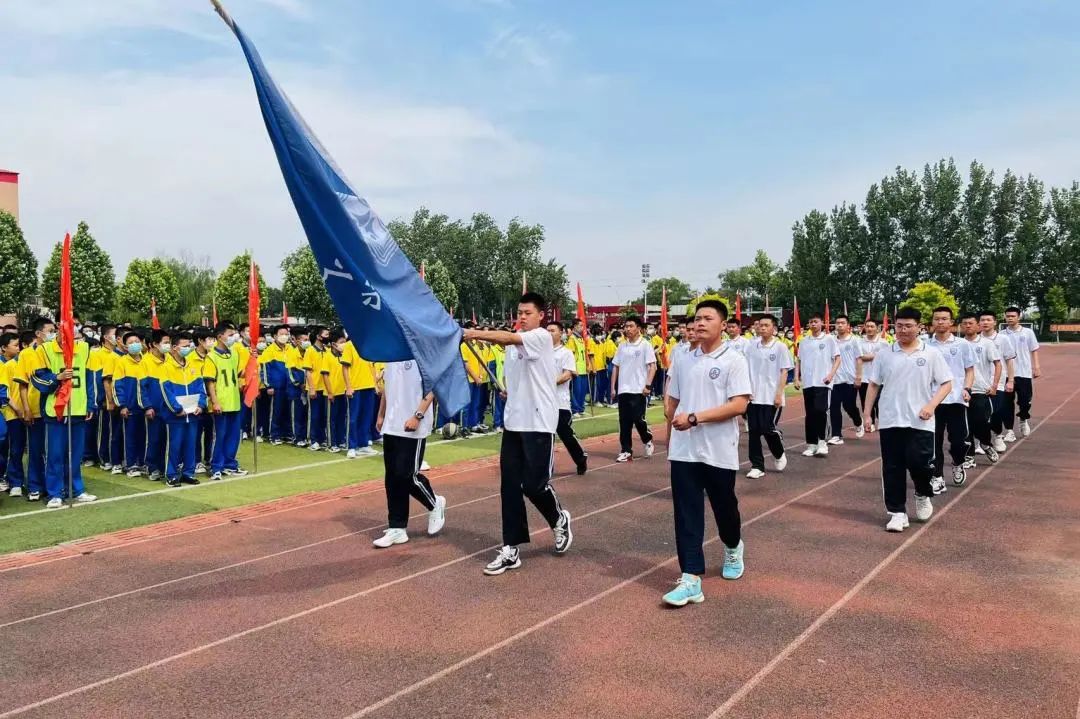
[[951, 417], [632, 416], [401, 459], [978, 416], [525, 467], [565, 430], [763, 420], [905, 451], [816, 404]]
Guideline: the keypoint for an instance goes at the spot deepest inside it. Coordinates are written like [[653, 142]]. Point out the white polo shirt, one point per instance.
[[704, 381], [908, 382], [564, 360], [986, 353], [1007, 349], [816, 355], [633, 360], [1024, 342], [871, 347], [529, 371], [765, 362], [850, 350], [739, 343], [403, 392], [959, 355]]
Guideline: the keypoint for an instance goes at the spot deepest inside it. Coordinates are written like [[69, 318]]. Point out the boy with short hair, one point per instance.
[[1027, 370], [128, 374], [184, 398], [816, 363], [221, 380], [631, 382]]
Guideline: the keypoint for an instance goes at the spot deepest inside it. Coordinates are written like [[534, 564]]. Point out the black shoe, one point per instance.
[[188, 480], [172, 482], [583, 468]]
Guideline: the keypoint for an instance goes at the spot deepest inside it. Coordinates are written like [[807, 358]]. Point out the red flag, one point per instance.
[[154, 324], [474, 316], [663, 326], [422, 272], [524, 284], [826, 315], [251, 372], [885, 321], [867, 312], [214, 306], [581, 318], [796, 324], [67, 326], [738, 307], [285, 313]]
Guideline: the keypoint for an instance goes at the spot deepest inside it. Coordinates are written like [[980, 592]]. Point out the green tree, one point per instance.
[[941, 192], [195, 278], [304, 289], [691, 306], [273, 299], [438, 279], [999, 296], [93, 282], [925, 296], [678, 292], [148, 279], [969, 285], [852, 270], [18, 266], [810, 264], [1057, 306], [231, 290]]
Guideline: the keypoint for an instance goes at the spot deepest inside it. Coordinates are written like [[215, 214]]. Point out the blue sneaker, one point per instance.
[[688, 589], [733, 564]]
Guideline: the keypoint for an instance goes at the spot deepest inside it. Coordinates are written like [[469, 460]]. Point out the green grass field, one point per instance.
[[283, 471]]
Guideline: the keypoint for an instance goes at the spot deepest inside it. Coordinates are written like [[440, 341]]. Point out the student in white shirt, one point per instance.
[[735, 337], [405, 422], [631, 382], [843, 396], [1027, 369], [681, 350], [529, 420], [707, 394], [951, 414], [816, 363], [1001, 402], [565, 372], [769, 361], [987, 373], [912, 379], [871, 343]]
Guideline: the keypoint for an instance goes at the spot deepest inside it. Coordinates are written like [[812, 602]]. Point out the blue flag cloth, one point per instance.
[[389, 312]]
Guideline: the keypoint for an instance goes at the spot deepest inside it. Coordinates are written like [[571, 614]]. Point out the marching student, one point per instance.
[[565, 371], [870, 344], [66, 429], [156, 433], [275, 365], [30, 361], [631, 383], [951, 414], [364, 405], [1027, 369], [128, 374], [816, 364], [912, 379], [204, 437], [405, 420], [707, 393], [15, 446], [221, 380], [531, 417], [987, 373], [735, 336], [314, 373], [843, 396], [652, 336], [768, 360], [184, 397], [1006, 384], [298, 395]]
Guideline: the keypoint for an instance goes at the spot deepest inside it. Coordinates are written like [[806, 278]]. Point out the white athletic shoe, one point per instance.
[[924, 508], [780, 462], [898, 522], [873, 428], [1010, 436], [755, 473], [134, 472], [436, 518], [649, 449], [860, 431], [1025, 429], [15, 492], [54, 503], [424, 466], [564, 536], [351, 454], [4, 486], [314, 447], [200, 468], [836, 440], [979, 448], [937, 484], [810, 450], [116, 470], [999, 444], [85, 498], [822, 450], [368, 452], [391, 537], [624, 457]]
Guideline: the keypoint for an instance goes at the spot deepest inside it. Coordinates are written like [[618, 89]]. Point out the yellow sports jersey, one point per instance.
[[243, 354], [314, 359], [361, 372], [473, 364], [598, 355], [333, 374], [7, 381], [31, 359]]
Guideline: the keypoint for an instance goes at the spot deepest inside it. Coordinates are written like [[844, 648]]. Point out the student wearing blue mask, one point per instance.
[[128, 374]]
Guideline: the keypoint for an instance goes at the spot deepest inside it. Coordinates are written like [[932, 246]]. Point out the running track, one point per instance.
[[971, 615]]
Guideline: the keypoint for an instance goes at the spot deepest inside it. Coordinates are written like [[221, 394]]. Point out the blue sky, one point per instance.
[[686, 135]]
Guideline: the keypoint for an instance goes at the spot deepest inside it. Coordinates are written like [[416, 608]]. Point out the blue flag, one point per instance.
[[389, 312]]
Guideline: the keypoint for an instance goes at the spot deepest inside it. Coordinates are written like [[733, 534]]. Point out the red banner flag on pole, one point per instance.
[[474, 316], [664, 325], [524, 283], [284, 313], [422, 271], [67, 326], [826, 315], [867, 312], [738, 307], [796, 323], [154, 324], [213, 306], [251, 372]]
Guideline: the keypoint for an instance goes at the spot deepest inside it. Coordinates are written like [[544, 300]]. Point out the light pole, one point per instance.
[[645, 291]]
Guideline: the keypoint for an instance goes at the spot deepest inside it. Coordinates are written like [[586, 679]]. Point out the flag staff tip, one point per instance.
[[220, 10]]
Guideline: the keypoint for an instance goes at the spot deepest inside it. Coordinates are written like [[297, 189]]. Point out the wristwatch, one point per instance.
[[419, 415], [692, 418]]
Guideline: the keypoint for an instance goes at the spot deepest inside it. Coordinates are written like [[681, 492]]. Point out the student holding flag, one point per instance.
[[221, 379]]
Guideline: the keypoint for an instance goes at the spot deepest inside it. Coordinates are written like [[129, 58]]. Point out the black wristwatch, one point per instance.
[[692, 418], [419, 415]]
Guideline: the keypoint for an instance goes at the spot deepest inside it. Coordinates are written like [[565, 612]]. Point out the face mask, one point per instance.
[[282, 339], [260, 346], [305, 344], [134, 348], [651, 331], [185, 351], [231, 340], [165, 347], [111, 339], [50, 336]]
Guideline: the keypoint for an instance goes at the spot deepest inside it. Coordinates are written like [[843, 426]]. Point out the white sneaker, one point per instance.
[[755, 473], [424, 466], [836, 440], [873, 428], [624, 457], [116, 470], [649, 448], [979, 448], [937, 484], [810, 450], [780, 462], [4, 486], [436, 518], [351, 454], [84, 498], [898, 522], [924, 508], [15, 492], [134, 473], [200, 468], [391, 537], [368, 452], [999, 444], [1010, 436], [335, 450], [860, 432], [1025, 429], [55, 503], [822, 450], [314, 447]]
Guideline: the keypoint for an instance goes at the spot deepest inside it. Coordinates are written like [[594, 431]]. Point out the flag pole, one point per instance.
[[70, 469], [480, 359]]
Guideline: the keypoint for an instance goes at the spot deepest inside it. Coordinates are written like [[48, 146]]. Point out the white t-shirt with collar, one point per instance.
[[869, 346], [404, 390], [1007, 349], [737, 343], [908, 382], [529, 371], [633, 360], [986, 353], [816, 355], [850, 350], [959, 355], [765, 361], [704, 381], [564, 361], [1024, 342]]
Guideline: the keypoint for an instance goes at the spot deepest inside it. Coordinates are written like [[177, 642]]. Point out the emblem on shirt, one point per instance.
[[714, 373], [772, 357], [408, 365], [921, 361], [979, 351], [952, 351], [821, 345]]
